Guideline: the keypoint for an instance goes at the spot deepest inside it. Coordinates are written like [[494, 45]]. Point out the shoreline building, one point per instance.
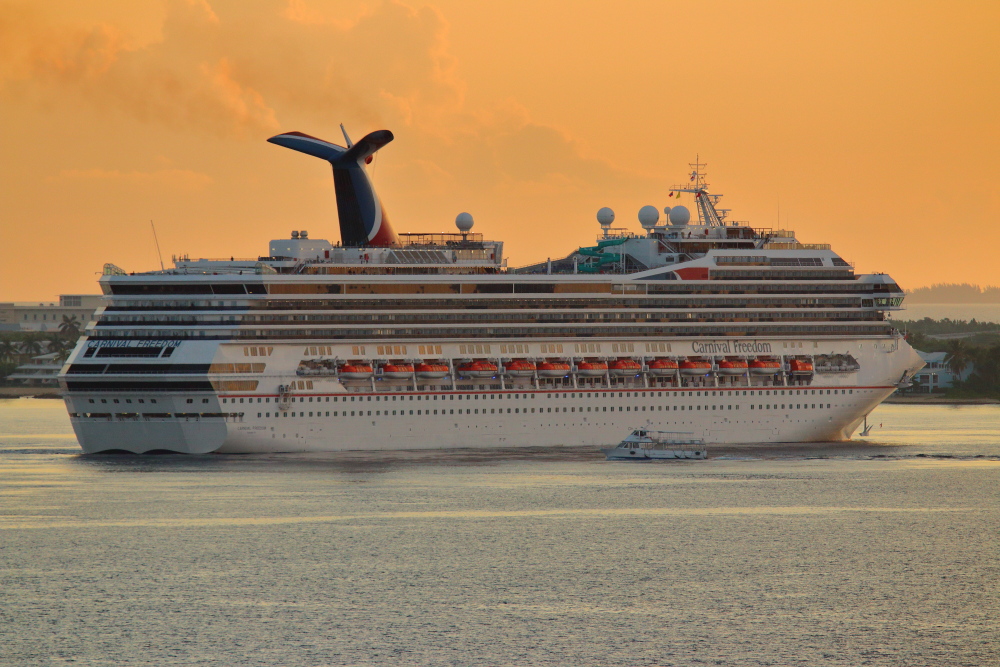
[[936, 376], [48, 316]]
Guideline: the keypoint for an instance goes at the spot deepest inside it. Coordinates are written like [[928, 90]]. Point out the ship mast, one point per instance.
[[698, 186]]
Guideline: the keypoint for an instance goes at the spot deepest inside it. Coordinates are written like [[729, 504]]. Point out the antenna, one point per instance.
[[157, 241], [704, 201], [346, 138]]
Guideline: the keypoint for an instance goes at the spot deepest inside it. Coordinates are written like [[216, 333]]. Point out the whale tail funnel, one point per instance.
[[362, 218]]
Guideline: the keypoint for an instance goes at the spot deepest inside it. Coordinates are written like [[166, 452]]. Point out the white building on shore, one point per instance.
[[936, 375], [48, 316], [40, 371]]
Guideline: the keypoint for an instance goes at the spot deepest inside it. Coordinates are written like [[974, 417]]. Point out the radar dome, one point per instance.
[[605, 217], [680, 215], [464, 222], [666, 210], [649, 216]]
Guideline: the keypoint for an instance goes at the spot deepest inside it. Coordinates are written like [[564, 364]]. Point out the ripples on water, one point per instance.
[[881, 552]]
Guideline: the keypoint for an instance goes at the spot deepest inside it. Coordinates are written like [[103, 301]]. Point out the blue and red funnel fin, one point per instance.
[[362, 217]]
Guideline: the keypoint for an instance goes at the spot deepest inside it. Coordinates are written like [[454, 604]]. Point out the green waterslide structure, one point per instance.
[[603, 258]]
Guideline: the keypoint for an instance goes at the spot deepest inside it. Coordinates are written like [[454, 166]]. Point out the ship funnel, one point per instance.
[[363, 221]]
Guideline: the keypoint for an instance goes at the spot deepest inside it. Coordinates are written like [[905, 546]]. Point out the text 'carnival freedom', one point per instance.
[[731, 347]]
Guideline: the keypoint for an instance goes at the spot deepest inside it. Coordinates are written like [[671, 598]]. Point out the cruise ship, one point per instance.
[[386, 341]]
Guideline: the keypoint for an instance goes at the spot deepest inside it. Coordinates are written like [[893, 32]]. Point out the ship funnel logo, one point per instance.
[[362, 218]]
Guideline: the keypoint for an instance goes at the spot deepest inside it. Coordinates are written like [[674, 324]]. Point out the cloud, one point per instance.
[[242, 70]]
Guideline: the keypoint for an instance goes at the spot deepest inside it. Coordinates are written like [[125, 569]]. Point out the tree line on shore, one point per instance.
[[984, 380], [954, 293], [980, 354], [18, 347]]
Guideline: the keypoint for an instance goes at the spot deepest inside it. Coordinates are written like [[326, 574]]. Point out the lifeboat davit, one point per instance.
[[733, 367], [520, 368], [764, 366], [431, 371], [397, 371], [800, 366], [478, 369], [625, 367], [356, 371], [663, 366], [695, 367], [591, 368], [553, 369]]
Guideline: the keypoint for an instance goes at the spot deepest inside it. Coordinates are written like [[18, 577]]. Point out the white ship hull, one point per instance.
[[333, 417]]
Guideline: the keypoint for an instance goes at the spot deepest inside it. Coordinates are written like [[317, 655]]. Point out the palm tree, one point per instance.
[[31, 345], [58, 344], [69, 327], [959, 357], [62, 346], [8, 350]]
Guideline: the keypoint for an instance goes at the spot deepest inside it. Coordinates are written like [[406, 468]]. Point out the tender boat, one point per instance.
[[764, 366], [732, 367], [625, 367], [643, 444], [520, 368], [431, 371], [553, 369], [397, 371], [695, 367], [478, 369], [800, 367], [661, 367], [591, 369], [356, 371]]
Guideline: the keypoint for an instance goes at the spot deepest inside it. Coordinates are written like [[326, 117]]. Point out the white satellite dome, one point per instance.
[[680, 215], [605, 217], [464, 222], [666, 210], [649, 216]]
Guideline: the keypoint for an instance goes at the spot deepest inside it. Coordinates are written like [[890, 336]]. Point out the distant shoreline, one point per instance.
[[29, 392], [939, 400]]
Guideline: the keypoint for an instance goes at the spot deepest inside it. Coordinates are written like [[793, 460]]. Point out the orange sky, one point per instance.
[[870, 125]]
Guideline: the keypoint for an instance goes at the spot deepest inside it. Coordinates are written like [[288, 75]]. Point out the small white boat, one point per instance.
[[644, 444]]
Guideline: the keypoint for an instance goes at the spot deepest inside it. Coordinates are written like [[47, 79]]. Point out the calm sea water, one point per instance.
[[878, 552]]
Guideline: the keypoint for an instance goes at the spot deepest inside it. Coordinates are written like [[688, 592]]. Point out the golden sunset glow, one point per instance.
[[872, 126]]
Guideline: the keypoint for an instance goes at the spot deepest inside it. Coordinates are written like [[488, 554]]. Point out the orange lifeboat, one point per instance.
[[356, 371], [764, 366], [800, 366], [478, 369], [625, 367], [397, 371], [663, 366], [591, 368], [733, 367], [695, 367], [553, 369], [431, 371], [520, 368]]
